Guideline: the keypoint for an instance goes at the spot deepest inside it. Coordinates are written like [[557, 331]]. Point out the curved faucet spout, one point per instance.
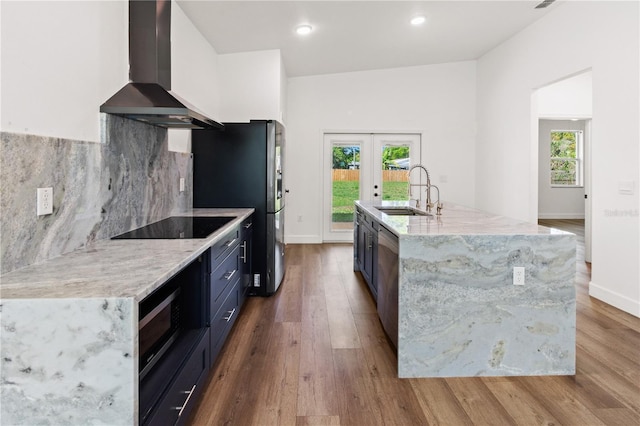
[[438, 203], [427, 185]]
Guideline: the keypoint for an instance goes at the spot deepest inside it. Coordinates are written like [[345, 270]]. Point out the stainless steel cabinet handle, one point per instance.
[[247, 225], [228, 275], [369, 241], [229, 315], [230, 243], [186, 401], [244, 252]]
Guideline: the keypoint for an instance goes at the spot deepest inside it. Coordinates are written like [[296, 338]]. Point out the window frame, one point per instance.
[[579, 159]]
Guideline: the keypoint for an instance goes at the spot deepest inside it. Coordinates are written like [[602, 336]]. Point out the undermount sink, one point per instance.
[[402, 211]]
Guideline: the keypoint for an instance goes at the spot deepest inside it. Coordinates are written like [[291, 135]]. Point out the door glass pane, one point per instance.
[[395, 167], [345, 185]]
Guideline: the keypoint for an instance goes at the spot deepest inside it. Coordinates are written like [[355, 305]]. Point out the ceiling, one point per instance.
[[361, 35]]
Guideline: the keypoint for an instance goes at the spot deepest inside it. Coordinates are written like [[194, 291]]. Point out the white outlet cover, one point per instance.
[[518, 275], [44, 203]]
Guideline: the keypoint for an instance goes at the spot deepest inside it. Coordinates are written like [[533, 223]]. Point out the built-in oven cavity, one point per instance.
[[158, 328], [172, 321]]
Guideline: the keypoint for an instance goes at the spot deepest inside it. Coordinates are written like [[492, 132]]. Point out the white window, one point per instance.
[[567, 157]]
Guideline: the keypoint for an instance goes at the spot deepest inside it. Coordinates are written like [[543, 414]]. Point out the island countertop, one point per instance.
[[114, 268], [455, 220], [459, 310]]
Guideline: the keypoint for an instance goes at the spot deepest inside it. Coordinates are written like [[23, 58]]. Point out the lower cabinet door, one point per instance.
[[223, 320], [223, 277], [182, 395]]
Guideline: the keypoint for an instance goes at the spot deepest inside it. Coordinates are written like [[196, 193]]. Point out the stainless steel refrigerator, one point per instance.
[[241, 166]]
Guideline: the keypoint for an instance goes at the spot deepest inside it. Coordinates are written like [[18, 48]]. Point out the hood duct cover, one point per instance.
[[148, 97]]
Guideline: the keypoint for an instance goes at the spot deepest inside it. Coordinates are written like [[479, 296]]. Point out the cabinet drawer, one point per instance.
[[362, 217], [222, 247], [223, 321], [226, 273], [247, 224], [181, 397]]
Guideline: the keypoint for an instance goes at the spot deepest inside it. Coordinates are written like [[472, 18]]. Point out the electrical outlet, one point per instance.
[[518, 275], [44, 203], [181, 184]]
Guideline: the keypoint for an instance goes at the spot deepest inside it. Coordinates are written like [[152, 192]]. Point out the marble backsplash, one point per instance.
[[99, 189]]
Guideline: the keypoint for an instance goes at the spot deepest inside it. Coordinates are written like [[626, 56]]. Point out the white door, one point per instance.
[[361, 166], [587, 191], [393, 155]]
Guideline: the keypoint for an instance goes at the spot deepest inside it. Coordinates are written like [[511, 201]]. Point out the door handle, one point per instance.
[[244, 252], [228, 275], [229, 315], [186, 401], [230, 243]]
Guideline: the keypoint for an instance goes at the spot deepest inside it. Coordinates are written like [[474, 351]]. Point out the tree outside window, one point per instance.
[[566, 158]]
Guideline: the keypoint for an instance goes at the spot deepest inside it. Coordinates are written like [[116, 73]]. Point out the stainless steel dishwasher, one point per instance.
[[387, 280]]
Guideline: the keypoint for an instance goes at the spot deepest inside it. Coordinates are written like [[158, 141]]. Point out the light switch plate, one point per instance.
[[626, 187], [181, 184]]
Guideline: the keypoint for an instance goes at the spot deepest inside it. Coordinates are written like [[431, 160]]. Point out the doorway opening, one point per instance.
[[564, 146], [363, 166]]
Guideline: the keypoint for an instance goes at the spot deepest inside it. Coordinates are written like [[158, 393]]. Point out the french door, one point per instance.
[[363, 166]]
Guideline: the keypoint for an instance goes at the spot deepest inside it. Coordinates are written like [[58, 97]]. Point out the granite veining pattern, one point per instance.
[[99, 189], [76, 367], [68, 342], [114, 268], [459, 312]]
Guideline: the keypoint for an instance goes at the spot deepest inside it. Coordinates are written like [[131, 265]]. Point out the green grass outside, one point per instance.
[[346, 192]]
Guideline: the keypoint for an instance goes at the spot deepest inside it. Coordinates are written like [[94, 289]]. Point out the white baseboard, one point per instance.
[[303, 239], [561, 215], [614, 299]]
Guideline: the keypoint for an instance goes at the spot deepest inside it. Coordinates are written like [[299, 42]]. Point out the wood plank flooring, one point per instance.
[[315, 354]]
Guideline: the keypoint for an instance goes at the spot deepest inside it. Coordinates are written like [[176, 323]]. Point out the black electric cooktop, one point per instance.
[[177, 227]]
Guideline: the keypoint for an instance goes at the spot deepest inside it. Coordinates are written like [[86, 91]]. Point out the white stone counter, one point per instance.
[[70, 327], [459, 312], [455, 220], [114, 268]]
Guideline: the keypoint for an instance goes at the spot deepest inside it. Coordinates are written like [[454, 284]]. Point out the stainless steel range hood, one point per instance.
[[148, 97]]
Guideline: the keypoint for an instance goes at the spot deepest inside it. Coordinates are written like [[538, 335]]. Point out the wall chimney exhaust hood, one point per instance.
[[148, 97]]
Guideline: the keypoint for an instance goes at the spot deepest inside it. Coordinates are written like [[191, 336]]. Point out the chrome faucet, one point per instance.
[[428, 186], [438, 204]]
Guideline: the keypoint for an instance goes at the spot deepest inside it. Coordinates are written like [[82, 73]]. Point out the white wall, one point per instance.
[[252, 86], [556, 202], [606, 40], [568, 98], [194, 73], [437, 101], [61, 60]]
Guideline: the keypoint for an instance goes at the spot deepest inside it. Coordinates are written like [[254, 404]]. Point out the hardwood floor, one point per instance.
[[315, 354]]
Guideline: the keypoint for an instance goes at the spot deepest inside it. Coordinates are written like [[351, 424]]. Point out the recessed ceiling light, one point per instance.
[[303, 29], [418, 20]]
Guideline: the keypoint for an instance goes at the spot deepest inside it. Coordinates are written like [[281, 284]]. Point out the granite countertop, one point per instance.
[[114, 268], [455, 220]]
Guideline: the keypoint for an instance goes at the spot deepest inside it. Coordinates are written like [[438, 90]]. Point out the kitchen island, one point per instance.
[[458, 312], [70, 326]]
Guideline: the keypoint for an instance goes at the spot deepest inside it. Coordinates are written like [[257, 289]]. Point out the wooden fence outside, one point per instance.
[[387, 175]]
